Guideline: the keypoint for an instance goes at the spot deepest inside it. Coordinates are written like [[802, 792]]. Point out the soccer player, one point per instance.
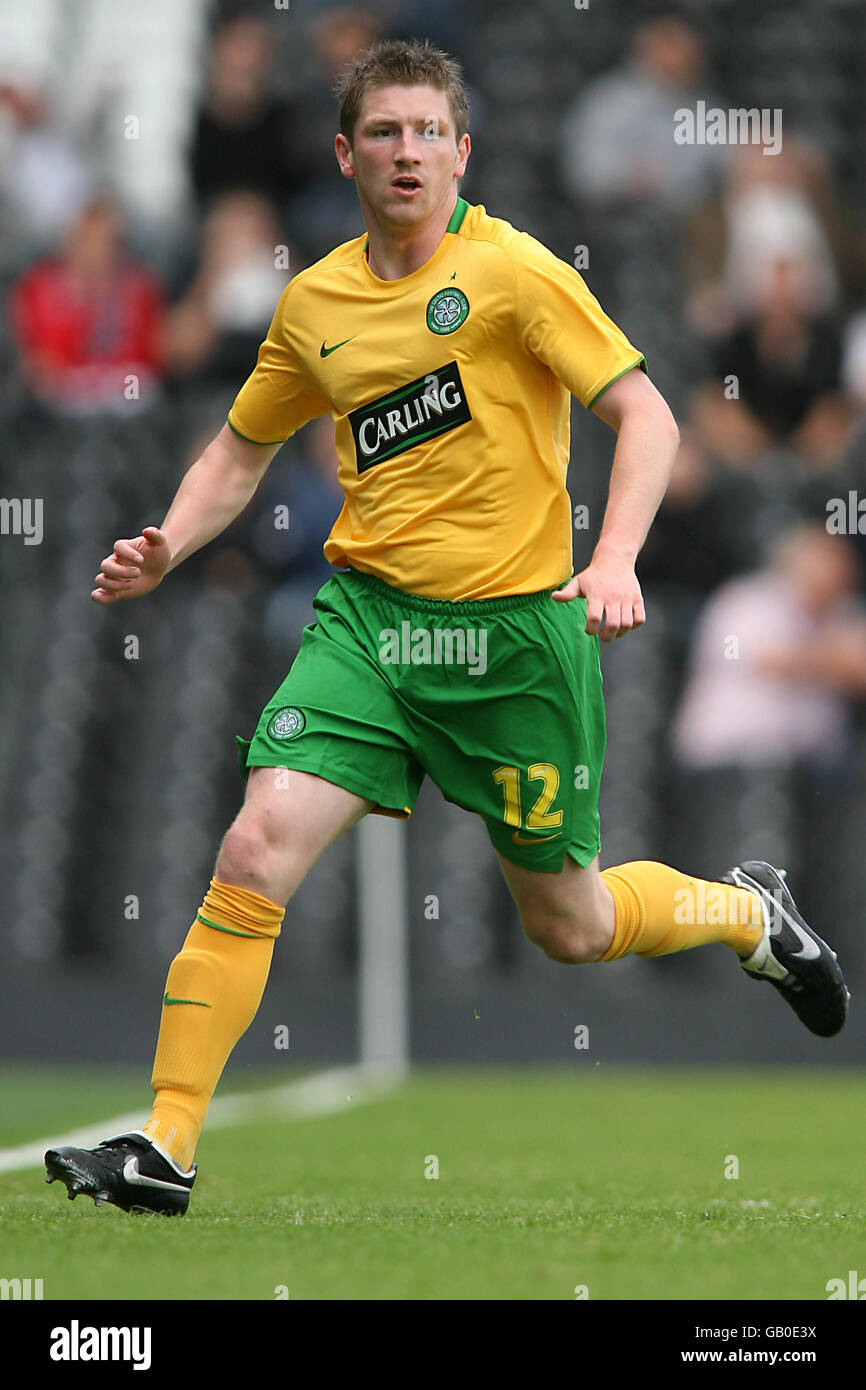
[[452, 639]]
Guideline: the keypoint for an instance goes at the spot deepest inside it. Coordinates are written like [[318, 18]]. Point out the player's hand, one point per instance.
[[614, 603], [133, 568]]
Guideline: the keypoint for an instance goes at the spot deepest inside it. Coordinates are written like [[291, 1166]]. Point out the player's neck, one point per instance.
[[391, 255]]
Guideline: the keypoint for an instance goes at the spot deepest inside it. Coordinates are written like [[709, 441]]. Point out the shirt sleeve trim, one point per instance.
[[639, 362], [262, 442]]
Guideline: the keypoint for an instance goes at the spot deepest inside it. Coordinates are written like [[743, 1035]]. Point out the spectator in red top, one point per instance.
[[88, 321]]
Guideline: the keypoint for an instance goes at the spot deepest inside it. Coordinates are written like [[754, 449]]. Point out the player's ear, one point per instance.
[[345, 158]]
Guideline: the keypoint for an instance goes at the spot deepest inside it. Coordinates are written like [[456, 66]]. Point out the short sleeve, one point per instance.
[[278, 397], [564, 326]]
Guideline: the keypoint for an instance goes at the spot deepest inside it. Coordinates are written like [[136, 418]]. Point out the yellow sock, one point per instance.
[[660, 911], [214, 988]]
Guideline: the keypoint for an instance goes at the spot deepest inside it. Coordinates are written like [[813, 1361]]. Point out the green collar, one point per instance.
[[461, 208]]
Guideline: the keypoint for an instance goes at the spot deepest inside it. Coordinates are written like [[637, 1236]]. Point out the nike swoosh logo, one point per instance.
[[132, 1175], [809, 949], [326, 351], [200, 1002], [536, 839]]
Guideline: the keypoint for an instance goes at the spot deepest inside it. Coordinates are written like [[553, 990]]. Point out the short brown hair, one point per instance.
[[392, 62]]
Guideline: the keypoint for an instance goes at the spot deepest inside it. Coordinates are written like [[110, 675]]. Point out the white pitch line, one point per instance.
[[324, 1093]]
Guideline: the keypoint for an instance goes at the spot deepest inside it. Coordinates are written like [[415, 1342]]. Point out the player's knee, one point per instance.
[[243, 859], [567, 940]]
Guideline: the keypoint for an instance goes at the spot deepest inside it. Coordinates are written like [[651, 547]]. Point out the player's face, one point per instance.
[[404, 154]]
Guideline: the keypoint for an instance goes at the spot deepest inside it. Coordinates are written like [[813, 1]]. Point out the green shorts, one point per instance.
[[498, 701]]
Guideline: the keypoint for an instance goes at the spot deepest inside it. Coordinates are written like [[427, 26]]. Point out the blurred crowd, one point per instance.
[[156, 196], [769, 265]]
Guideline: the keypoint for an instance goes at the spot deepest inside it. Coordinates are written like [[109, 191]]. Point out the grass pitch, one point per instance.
[[548, 1182]]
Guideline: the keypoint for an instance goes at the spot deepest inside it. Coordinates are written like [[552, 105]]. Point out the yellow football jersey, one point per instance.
[[450, 392]]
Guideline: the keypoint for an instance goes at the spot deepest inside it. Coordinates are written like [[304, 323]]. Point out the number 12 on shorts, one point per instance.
[[540, 817]]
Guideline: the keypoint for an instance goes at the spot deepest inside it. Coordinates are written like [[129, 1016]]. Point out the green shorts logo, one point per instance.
[[287, 723], [447, 310]]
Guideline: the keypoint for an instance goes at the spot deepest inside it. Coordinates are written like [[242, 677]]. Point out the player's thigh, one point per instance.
[[288, 819], [521, 742], [575, 898]]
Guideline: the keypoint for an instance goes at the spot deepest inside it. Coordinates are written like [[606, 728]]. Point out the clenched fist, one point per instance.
[[133, 568]]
